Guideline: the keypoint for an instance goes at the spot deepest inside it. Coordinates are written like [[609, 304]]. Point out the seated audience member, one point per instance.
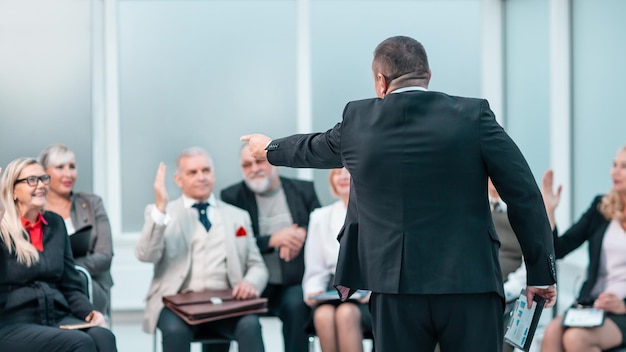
[[81, 212], [279, 208], [516, 280], [338, 325], [40, 289], [196, 243], [603, 226], [510, 253]]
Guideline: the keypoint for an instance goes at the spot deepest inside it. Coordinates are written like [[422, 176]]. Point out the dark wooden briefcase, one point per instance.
[[201, 307]]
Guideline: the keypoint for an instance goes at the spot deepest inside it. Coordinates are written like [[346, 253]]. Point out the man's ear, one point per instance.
[[178, 180], [381, 85]]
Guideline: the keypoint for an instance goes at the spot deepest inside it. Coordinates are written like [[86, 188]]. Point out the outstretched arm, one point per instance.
[[313, 150]]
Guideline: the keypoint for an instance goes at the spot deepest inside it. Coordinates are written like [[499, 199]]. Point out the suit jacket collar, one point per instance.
[[80, 212], [188, 202], [188, 217]]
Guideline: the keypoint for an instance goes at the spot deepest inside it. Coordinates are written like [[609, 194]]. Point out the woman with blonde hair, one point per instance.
[[84, 214], [603, 226], [40, 289], [339, 325]]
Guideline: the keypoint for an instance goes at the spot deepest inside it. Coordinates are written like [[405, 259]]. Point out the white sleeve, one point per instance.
[[158, 217], [315, 274]]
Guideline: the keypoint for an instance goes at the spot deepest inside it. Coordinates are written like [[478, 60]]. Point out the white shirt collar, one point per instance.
[[409, 89], [188, 202]]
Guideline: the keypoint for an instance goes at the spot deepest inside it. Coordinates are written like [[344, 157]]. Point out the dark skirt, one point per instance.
[[366, 317], [620, 321]]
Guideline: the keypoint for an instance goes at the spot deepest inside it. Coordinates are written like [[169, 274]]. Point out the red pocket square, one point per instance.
[[240, 232]]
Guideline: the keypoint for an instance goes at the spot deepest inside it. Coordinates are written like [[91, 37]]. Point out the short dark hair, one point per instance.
[[399, 56]]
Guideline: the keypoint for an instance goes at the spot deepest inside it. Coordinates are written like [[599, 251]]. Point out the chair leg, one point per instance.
[[311, 343], [216, 347]]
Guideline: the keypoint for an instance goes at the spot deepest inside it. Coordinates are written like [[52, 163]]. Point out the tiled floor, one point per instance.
[[130, 337]]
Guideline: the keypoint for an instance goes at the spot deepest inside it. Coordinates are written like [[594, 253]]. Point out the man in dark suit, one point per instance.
[[432, 266], [279, 208]]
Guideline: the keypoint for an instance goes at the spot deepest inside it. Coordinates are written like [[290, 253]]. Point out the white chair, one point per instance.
[[86, 280]]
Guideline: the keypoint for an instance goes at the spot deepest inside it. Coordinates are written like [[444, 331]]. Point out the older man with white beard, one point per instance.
[[279, 208]]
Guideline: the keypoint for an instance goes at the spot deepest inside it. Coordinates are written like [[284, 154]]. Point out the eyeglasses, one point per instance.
[[34, 180]]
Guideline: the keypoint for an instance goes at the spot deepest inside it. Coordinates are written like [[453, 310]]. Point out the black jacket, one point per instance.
[[591, 227], [407, 153], [48, 290]]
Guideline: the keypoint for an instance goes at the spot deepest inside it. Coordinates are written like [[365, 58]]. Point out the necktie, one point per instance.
[[204, 219]]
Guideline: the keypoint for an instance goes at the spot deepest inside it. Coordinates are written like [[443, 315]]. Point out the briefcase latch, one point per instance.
[[216, 300]]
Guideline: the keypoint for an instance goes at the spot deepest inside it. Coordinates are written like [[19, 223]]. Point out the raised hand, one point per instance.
[[160, 192], [550, 198]]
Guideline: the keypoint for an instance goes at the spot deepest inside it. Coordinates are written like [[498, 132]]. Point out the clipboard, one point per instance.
[[78, 326], [583, 317], [80, 241], [523, 322], [333, 295]]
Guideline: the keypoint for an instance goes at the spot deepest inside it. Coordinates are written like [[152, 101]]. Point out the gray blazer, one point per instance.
[[87, 209], [169, 248]]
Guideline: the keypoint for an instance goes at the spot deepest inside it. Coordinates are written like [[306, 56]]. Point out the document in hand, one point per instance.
[[80, 240], [77, 326], [201, 307], [524, 321], [332, 295], [583, 317]]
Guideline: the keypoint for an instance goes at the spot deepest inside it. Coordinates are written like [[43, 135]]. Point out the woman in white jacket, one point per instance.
[[339, 325]]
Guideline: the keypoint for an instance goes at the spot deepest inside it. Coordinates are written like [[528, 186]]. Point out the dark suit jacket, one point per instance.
[[88, 210], [47, 291], [301, 199], [590, 227], [406, 153]]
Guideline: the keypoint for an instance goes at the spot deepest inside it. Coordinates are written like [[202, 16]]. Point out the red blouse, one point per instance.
[[35, 231]]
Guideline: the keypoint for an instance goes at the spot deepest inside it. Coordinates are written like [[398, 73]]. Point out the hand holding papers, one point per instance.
[[524, 321]]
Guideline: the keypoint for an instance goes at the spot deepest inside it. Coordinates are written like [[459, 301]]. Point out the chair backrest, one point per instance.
[[86, 281]]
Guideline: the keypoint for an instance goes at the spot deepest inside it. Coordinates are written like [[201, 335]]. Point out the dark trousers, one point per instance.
[[23, 337], [287, 303], [178, 335], [459, 322]]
